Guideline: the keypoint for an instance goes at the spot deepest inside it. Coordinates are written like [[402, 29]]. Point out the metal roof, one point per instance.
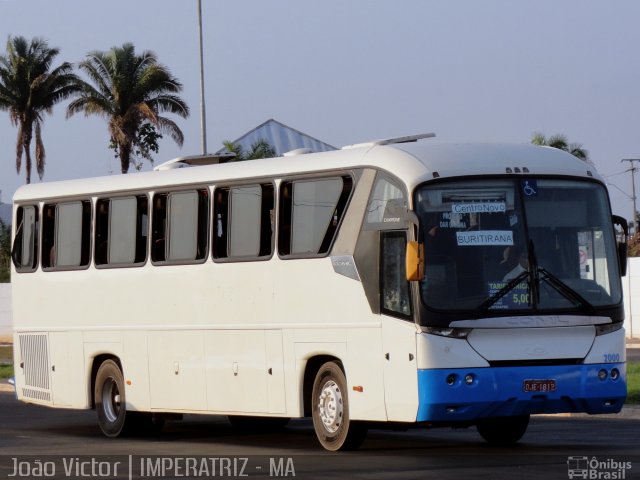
[[281, 137]]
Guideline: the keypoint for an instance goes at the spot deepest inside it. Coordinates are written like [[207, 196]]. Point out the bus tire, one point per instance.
[[503, 431], [330, 411], [110, 400]]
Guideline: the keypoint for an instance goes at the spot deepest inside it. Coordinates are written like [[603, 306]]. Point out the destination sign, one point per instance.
[[484, 237]]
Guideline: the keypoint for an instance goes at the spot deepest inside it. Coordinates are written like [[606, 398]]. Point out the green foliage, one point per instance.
[[560, 142], [144, 143], [259, 149], [6, 371], [5, 253], [131, 92], [633, 382], [29, 88]]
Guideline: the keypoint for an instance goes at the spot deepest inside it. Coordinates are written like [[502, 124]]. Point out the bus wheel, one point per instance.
[[503, 430], [330, 411], [109, 398]]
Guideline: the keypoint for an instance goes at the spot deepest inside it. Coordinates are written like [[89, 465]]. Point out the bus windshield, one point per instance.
[[517, 244]]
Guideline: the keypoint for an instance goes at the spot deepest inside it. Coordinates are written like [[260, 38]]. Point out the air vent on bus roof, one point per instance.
[[196, 161], [391, 141], [297, 151]]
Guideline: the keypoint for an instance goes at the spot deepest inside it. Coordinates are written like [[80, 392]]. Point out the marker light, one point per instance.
[[602, 374], [615, 374], [469, 379], [451, 379]]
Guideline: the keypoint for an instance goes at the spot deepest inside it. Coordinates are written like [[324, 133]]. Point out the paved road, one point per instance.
[[26, 431]]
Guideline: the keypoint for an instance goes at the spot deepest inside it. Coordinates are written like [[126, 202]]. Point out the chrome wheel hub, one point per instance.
[[111, 400], [330, 406]]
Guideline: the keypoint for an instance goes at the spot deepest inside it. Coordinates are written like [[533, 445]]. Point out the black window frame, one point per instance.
[[403, 234], [15, 251], [159, 226], [142, 240], [222, 206], [48, 241]]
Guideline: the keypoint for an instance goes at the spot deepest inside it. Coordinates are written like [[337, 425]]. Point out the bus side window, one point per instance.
[[180, 225], [387, 202], [66, 237], [102, 232], [25, 245], [243, 226], [267, 220], [121, 231], [159, 226], [394, 288], [310, 214]]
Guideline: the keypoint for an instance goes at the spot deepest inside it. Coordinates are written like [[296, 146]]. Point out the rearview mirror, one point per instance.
[[622, 243], [415, 261]]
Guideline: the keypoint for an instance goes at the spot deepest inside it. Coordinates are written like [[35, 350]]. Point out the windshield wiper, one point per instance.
[[566, 290], [493, 299]]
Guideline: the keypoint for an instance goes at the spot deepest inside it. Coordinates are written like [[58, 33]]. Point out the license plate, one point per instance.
[[540, 386]]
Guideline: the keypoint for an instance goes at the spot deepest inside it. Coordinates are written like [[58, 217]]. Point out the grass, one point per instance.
[[6, 352], [633, 382], [6, 355], [6, 371]]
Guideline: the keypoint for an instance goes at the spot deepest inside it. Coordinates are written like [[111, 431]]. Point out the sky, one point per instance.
[[348, 71]]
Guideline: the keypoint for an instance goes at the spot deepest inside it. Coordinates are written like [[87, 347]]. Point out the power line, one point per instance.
[[633, 183], [615, 174]]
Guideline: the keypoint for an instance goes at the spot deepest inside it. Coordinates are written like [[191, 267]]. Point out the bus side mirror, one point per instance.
[[622, 243], [415, 261]]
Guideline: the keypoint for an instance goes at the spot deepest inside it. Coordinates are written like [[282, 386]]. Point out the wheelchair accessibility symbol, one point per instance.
[[530, 188]]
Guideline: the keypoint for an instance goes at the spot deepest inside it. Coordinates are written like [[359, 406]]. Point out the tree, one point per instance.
[[29, 88], [259, 149], [131, 91], [560, 141], [5, 252]]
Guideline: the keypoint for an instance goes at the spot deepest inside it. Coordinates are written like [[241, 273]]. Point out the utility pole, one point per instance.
[[203, 116], [633, 188]]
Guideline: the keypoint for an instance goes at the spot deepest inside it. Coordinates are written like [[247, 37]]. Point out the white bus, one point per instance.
[[399, 281]]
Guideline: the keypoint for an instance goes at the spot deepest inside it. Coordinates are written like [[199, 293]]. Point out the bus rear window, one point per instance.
[[25, 244]]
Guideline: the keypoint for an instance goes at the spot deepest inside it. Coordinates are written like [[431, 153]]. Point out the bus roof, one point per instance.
[[413, 163]]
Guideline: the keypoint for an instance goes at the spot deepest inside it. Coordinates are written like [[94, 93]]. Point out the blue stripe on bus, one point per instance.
[[500, 391]]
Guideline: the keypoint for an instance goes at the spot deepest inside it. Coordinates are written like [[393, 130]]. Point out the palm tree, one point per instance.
[[130, 91], [29, 88], [560, 141], [259, 149]]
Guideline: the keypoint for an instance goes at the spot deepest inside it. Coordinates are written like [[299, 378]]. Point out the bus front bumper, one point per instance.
[[463, 395]]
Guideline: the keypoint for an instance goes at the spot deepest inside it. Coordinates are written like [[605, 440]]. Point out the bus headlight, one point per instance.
[[448, 332], [608, 328]]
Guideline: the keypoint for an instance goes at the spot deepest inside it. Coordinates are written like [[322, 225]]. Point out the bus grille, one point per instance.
[[34, 353]]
